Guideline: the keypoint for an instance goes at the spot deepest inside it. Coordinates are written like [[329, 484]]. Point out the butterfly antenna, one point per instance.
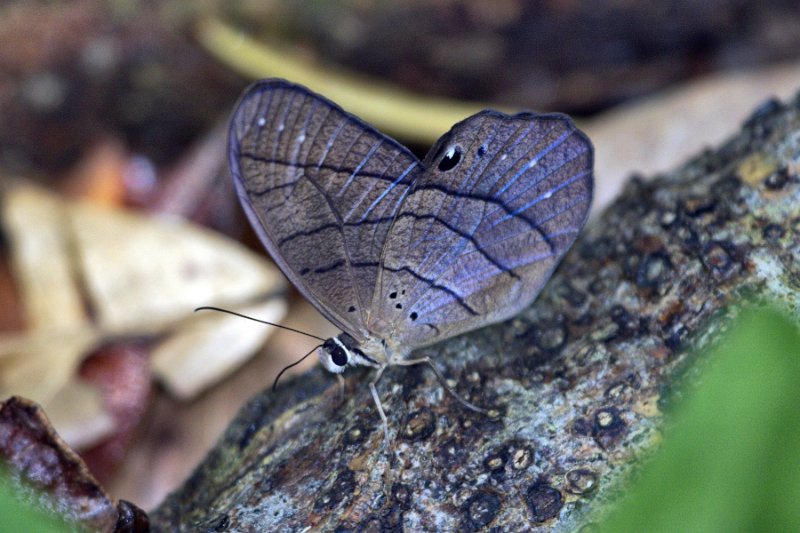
[[221, 310], [275, 383]]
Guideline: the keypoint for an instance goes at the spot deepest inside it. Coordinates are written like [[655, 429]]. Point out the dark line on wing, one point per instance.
[[539, 156], [433, 285], [368, 190], [357, 170], [432, 327], [299, 145], [338, 217], [477, 173], [431, 186], [330, 142], [542, 179], [313, 141], [261, 113], [546, 237], [305, 166], [408, 214], [291, 133], [333, 266], [447, 290], [443, 259], [281, 127], [464, 235], [400, 179]]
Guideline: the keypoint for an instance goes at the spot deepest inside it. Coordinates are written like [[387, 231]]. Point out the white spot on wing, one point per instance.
[[261, 122]]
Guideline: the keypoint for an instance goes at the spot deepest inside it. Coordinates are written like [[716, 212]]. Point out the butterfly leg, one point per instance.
[[341, 387], [440, 377], [377, 400]]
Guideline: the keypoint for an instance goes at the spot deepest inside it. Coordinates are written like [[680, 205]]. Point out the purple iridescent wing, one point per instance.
[[501, 200]]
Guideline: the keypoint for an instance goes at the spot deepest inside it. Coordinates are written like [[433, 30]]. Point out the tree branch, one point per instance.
[[576, 384]]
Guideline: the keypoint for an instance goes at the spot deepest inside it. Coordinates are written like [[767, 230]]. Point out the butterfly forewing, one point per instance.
[[502, 199], [321, 189]]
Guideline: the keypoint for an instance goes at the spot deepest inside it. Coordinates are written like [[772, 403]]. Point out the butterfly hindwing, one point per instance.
[[501, 200]]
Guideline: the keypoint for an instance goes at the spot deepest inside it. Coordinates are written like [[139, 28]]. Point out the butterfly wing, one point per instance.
[[501, 200], [321, 188]]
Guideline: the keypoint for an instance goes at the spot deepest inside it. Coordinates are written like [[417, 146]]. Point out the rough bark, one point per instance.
[[576, 385]]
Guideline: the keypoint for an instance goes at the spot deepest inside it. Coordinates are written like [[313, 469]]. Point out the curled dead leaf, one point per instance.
[[88, 274], [46, 472]]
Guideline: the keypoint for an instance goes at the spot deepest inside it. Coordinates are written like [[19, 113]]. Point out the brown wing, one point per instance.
[[321, 189]]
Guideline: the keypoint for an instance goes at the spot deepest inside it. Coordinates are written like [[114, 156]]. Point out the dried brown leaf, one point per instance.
[[90, 273], [47, 472]]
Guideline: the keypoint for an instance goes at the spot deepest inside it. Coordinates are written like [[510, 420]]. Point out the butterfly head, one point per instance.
[[337, 353]]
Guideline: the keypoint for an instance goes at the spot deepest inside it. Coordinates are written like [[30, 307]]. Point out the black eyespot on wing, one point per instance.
[[413, 315], [450, 160], [393, 295], [399, 306], [351, 308], [482, 150], [338, 356]]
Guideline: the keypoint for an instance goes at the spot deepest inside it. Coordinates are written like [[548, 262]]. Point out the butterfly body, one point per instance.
[[398, 252]]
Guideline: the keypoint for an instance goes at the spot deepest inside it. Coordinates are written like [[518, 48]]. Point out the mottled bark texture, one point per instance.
[[576, 385]]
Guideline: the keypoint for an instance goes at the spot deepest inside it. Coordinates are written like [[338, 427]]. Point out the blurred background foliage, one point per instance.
[[730, 460], [72, 70]]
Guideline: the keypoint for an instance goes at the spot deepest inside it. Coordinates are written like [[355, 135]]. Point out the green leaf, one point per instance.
[[17, 516], [731, 462]]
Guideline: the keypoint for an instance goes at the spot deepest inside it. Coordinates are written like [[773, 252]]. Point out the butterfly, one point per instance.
[[397, 252]]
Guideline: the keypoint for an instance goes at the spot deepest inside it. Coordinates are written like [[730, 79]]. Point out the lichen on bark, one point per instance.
[[576, 385]]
